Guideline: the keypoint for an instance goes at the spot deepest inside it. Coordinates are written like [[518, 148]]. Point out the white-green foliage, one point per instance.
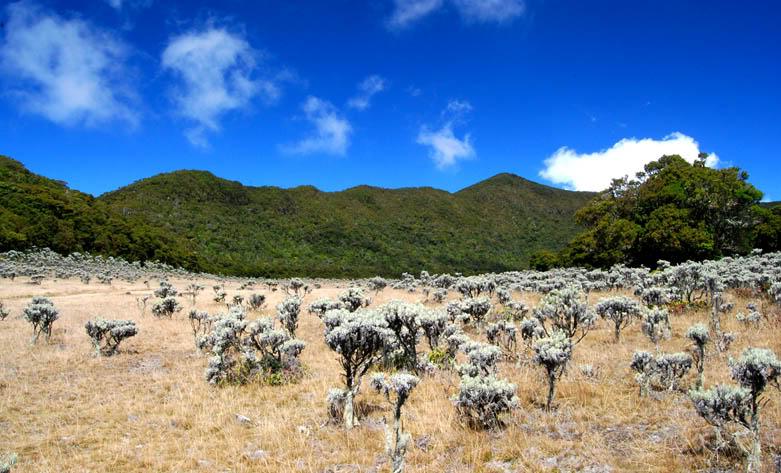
[[656, 324], [193, 290], [403, 319], [201, 323], [699, 335], [475, 309], [663, 371], [722, 404], [7, 462], [377, 284], [3, 311], [41, 314], [433, 323], [321, 306], [353, 299], [621, 311], [295, 287], [166, 307], [256, 301], [531, 330], [553, 353], [752, 318], [753, 371], [439, 295], [106, 335], [565, 310], [775, 292], [397, 389], [503, 334], [243, 350], [288, 312], [656, 296], [358, 338], [219, 294], [481, 359], [165, 290], [481, 400]]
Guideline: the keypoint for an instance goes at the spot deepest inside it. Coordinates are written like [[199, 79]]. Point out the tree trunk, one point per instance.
[[350, 420], [551, 390]]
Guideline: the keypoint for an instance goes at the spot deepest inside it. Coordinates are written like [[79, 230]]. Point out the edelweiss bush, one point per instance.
[[166, 307], [403, 319], [201, 323], [243, 350], [3, 311], [256, 301], [288, 312], [354, 299], [106, 335], [565, 310], [664, 371], [753, 371], [481, 400], [41, 314], [553, 353], [699, 335], [358, 338], [165, 290], [396, 389], [656, 325], [503, 334], [621, 311], [321, 306]]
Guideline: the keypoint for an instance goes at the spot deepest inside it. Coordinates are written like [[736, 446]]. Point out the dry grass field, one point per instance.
[[149, 409]]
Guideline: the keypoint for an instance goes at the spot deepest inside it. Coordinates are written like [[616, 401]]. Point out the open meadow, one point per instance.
[[149, 407]]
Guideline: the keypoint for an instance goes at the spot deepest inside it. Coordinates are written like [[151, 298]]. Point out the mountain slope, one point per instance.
[[36, 211], [491, 226]]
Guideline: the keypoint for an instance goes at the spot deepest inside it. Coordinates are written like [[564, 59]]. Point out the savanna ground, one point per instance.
[[149, 408]]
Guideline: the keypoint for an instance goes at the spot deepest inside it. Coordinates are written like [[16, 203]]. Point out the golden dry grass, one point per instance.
[[149, 408]]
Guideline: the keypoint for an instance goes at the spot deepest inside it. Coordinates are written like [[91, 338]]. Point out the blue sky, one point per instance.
[[391, 93]]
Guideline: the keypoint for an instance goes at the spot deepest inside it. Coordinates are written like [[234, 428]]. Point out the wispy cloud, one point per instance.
[[367, 89], [331, 134], [445, 147], [490, 11], [217, 74], [594, 171], [407, 12], [120, 4], [66, 69]]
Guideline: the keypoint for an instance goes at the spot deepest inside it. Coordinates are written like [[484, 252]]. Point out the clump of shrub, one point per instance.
[[7, 462], [166, 307], [358, 338], [321, 306], [565, 310], [353, 299], [481, 400], [256, 301], [106, 335], [41, 314], [553, 353], [243, 351], [663, 371], [699, 335], [201, 323], [503, 334], [656, 325], [3, 311], [397, 389], [723, 404], [621, 311], [288, 312]]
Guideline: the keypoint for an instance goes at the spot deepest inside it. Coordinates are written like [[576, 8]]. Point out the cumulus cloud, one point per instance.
[[594, 171], [331, 133], [407, 12], [216, 71], [445, 147], [65, 70], [367, 89]]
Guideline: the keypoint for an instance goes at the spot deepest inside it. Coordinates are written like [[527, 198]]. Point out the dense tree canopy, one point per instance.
[[674, 211]]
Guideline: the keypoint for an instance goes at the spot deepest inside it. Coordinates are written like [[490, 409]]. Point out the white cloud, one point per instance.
[[487, 11], [407, 12], [594, 171], [66, 70], [216, 69], [119, 4], [446, 148], [332, 131], [370, 86]]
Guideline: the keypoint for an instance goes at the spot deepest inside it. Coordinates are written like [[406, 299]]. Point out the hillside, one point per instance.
[[493, 225], [36, 211]]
